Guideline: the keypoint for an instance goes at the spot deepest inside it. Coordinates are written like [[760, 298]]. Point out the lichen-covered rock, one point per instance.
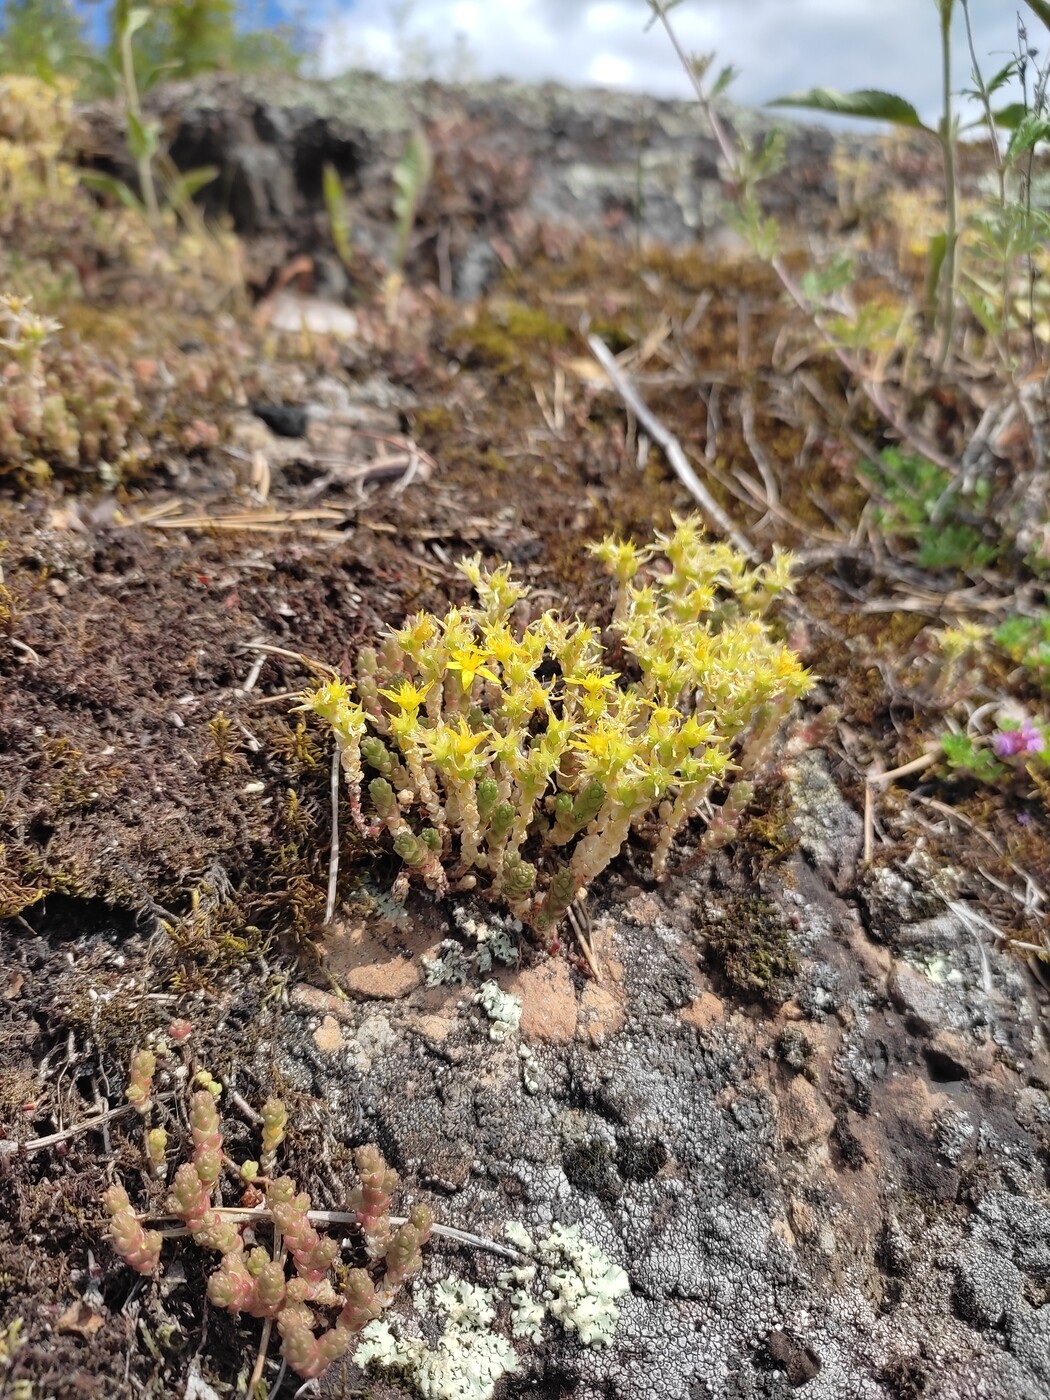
[[834, 1219], [827, 828]]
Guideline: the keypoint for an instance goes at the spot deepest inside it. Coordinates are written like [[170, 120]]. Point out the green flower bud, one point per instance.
[[588, 803], [382, 795], [502, 821], [411, 849], [488, 796], [376, 753], [519, 876]]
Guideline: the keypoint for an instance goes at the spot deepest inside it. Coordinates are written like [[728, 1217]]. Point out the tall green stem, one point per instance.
[[947, 137], [143, 161]]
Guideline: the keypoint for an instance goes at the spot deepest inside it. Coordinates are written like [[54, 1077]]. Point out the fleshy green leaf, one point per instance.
[[869, 103]]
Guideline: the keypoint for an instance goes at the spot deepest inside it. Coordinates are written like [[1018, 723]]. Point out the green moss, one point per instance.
[[751, 946], [431, 424], [507, 335]]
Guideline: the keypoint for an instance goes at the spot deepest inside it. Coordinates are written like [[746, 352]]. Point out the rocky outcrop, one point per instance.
[[508, 158]]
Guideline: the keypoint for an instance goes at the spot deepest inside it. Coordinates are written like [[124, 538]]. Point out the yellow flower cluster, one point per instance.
[[530, 759]]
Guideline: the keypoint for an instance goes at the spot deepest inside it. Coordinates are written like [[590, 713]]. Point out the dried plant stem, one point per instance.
[[320, 668], [260, 1356], [947, 138], [872, 390], [671, 447], [333, 856], [875, 779], [342, 1217], [9, 1147]]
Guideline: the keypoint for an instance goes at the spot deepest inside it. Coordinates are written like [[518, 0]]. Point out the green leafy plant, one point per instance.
[[920, 501], [1026, 641], [64, 409], [858, 337], [43, 38], [143, 133], [516, 758], [411, 177], [875, 105], [152, 163], [983, 297], [967, 755]]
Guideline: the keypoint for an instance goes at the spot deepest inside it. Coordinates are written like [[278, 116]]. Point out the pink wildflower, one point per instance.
[[1010, 742]]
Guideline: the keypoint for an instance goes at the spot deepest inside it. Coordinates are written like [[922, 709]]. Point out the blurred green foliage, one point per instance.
[[1026, 641], [49, 38], [919, 502], [43, 38]]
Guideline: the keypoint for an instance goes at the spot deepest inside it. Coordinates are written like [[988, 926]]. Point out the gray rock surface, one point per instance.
[[826, 1196], [511, 162]]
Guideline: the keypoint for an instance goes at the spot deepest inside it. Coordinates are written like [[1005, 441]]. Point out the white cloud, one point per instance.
[[609, 70], [778, 45]]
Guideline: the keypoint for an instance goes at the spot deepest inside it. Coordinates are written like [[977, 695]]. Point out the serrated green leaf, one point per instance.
[[869, 103], [821, 283], [962, 753], [1000, 79], [1026, 135], [728, 75]]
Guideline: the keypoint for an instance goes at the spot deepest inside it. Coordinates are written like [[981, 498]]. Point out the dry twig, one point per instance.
[[915, 766], [671, 447]]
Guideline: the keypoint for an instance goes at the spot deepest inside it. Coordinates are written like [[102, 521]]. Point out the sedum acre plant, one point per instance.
[[516, 758], [256, 1280]]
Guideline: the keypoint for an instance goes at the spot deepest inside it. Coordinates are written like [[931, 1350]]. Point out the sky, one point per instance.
[[779, 46]]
